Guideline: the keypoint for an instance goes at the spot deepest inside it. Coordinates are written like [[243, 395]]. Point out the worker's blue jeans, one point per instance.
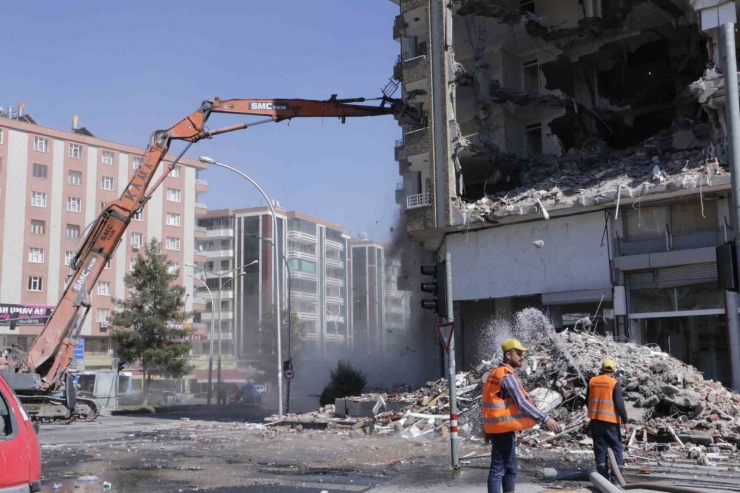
[[606, 435], [503, 463]]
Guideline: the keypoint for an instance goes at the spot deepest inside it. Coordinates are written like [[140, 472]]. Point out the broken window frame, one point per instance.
[[529, 131], [527, 65], [527, 6]]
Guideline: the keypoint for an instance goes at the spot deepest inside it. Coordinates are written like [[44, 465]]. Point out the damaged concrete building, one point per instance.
[[571, 156]]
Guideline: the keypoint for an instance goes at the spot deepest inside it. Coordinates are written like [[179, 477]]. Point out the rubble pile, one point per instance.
[[670, 404], [678, 157]]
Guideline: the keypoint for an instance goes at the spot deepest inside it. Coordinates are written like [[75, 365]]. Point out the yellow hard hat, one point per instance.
[[608, 365], [512, 344]]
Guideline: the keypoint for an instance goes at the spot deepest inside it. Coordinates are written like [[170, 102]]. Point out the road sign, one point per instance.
[[289, 374], [80, 354], [445, 331]]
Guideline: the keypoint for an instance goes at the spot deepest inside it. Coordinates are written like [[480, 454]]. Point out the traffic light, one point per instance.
[[438, 288]]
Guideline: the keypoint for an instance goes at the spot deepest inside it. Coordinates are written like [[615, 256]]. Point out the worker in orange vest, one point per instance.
[[507, 409], [606, 410]]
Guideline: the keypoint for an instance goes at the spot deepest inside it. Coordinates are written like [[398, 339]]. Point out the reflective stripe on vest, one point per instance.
[[600, 399], [502, 415]]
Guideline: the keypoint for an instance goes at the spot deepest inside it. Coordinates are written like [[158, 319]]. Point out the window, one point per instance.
[[107, 183], [1, 135], [108, 157], [40, 171], [74, 204], [36, 255], [103, 315], [136, 162], [175, 173], [137, 239], [173, 243], [138, 215], [108, 265], [534, 139], [38, 199], [225, 265], [677, 218], [68, 256], [35, 283], [40, 144], [102, 206], [531, 74], [526, 6], [103, 288], [73, 231], [173, 219], [75, 151], [174, 269], [75, 178], [38, 227], [174, 195], [131, 263]]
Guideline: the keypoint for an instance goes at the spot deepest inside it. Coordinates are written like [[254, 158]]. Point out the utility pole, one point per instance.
[[732, 121], [451, 364]]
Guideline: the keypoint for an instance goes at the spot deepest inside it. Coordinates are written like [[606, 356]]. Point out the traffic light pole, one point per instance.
[[451, 364]]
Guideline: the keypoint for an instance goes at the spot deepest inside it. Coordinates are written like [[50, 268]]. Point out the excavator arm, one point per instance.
[[52, 351]]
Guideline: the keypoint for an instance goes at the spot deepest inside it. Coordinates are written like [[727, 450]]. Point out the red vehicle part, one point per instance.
[[20, 452]]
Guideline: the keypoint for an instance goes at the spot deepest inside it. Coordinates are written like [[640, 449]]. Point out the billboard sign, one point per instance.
[[24, 314]]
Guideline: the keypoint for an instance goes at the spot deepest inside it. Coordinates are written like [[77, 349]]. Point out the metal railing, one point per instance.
[[399, 143], [418, 200], [413, 126], [400, 185], [201, 229], [198, 181], [200, 205]]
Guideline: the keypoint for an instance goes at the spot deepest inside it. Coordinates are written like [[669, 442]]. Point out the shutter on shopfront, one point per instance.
[[685, 275]]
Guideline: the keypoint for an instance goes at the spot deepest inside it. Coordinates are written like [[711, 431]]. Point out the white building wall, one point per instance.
[[15, 217], [503, 262], [56, 257]]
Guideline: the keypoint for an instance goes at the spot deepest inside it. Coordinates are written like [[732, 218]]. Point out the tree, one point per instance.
[[268, 339], [345, 381], [143, 321]]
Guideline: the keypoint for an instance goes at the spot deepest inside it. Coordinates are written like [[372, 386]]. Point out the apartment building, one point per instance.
[[313, 277], [381, 312], [53, 184], [572, 157]]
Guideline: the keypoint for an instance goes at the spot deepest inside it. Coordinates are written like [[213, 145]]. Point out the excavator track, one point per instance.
[[85, 409]]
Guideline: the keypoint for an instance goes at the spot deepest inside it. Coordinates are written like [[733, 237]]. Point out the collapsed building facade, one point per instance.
[[571, 156]]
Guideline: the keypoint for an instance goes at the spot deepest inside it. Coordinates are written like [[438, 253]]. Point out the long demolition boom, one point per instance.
[[52, 350]]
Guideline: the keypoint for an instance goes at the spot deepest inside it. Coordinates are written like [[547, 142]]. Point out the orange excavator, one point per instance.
[[40, 375]]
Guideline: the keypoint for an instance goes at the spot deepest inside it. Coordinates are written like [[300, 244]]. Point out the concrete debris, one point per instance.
[[680, 157]]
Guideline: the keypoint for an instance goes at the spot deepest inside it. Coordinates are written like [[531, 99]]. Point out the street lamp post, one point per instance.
[[220, 319], [276, 283], [210, 340]]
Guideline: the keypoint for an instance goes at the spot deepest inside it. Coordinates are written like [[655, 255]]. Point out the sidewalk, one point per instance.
[[471, 480]]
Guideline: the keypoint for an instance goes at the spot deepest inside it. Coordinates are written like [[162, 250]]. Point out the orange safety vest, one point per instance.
[[502, 415], [600, 401]]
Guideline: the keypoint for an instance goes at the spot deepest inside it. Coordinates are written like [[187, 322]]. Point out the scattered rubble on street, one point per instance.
[[676, 417]]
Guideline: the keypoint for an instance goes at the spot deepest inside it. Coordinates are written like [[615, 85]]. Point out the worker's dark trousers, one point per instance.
[[606, 435], [503, 463]]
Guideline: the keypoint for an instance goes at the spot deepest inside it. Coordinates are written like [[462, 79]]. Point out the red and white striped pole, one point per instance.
[[451, 364]]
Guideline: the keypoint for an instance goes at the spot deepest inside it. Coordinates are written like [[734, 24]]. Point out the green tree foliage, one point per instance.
[[140, 321], [345, 381], [268, 340]]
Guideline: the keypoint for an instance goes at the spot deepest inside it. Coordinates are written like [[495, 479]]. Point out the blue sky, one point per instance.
[[131, 67]]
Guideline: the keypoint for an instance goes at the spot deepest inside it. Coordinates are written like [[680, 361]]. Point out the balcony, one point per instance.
[[201, 233], [302, 256], [394, 325], [399, 151], [220, 233], [334, 245], [301, 237], [201, 209], [301, 295], [206, 316], [331, 281], [337, 300], [395, 294], [212, 254], [334, 263], [331, 319], [306, 316], [418, 200], [201, 186], [202, 296], [303, 275], [199, 305], [394, 309], [199, 256], [399, 26]]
